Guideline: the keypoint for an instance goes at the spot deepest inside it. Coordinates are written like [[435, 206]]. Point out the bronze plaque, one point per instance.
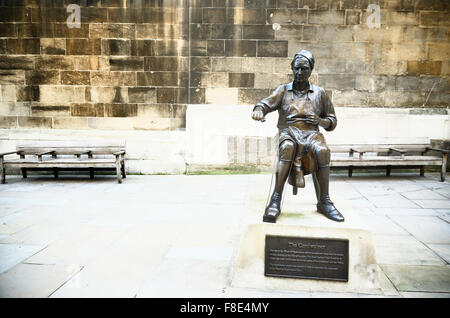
[[305, 257]]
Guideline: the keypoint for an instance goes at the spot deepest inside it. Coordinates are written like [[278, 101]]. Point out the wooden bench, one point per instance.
[[66, 155], [388, 154]]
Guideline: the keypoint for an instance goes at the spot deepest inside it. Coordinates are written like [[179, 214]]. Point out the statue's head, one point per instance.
[[302, 65]]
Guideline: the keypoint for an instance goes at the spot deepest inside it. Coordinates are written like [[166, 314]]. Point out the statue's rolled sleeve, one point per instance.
[[272, 102], [328, 111]]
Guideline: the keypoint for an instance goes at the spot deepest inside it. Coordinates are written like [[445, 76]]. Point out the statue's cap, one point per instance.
[[307, 55]]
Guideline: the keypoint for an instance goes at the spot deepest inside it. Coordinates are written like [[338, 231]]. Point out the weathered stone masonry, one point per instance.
[[135, 65], [124, 68]]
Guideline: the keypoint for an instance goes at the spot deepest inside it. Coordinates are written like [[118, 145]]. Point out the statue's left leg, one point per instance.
[[286, 155], [322, 176]]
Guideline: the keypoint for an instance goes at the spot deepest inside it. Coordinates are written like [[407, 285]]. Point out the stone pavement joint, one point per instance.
[[177, 235]]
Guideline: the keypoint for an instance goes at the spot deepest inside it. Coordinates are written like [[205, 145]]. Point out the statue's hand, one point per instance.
[[258, 114], [312, 119]]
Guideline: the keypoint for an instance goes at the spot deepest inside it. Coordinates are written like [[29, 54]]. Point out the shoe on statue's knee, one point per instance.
[[296, 177], [273, 209], [327, 208], [300, 178]]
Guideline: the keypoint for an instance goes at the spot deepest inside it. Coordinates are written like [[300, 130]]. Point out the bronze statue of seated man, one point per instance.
[[302, 108]]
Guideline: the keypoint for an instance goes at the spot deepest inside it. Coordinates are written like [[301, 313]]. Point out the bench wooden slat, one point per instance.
[[385, 161], [63, 163], [405, 147], [71, 147], [397, 150], [70, 143], [82, 153], [59, 149], [8, 153], [68, 160], [438, 150], [376, 148], [60, 165], [93, 150], [372, 140]]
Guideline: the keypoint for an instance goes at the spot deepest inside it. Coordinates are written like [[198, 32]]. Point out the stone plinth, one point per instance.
[[363, 271]]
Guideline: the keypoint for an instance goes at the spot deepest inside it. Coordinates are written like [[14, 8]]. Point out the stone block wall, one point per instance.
[[134, 67], [247, 46], [136, 64], [125, 67]]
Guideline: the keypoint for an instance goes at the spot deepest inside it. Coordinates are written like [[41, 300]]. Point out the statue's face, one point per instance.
[[301, 69]]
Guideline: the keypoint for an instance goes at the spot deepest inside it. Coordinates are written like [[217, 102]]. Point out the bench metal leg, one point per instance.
[[56, 173], [350, 172], [124, 174], [118, 169], [444, 167], [422, 171], [91, 173], [2, 170], [388, 171], [24, 173]]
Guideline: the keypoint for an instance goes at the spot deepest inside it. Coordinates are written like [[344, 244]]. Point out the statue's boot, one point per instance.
[[327, 208], [273, 209], [324, 204], [287, 152]]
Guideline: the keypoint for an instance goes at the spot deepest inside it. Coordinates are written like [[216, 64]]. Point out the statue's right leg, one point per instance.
[[286, 156]]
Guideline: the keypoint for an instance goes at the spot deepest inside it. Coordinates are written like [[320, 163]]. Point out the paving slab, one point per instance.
[[344, 191], [121, 267], [443, 191], [364, 211], [207, 253], [427, 229], [360, 203], [23, 186], [432, 182], [80, 247], [42, 233], [402, 186], [406, 250], [424, 295], [433, 204], [443, 250], [30, 280], [235, 292], [374, 189], [13, 254], [411, 278], [383, 225], [405, 211], [391, 201], [129, 239], [388, 289], [196, 278], [27, 199], [7, 209], [16, 222], [334, 295], [423, 195], [445, 217], [443, 211]]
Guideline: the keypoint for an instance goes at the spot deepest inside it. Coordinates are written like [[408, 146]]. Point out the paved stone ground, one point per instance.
[[177, 236]]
